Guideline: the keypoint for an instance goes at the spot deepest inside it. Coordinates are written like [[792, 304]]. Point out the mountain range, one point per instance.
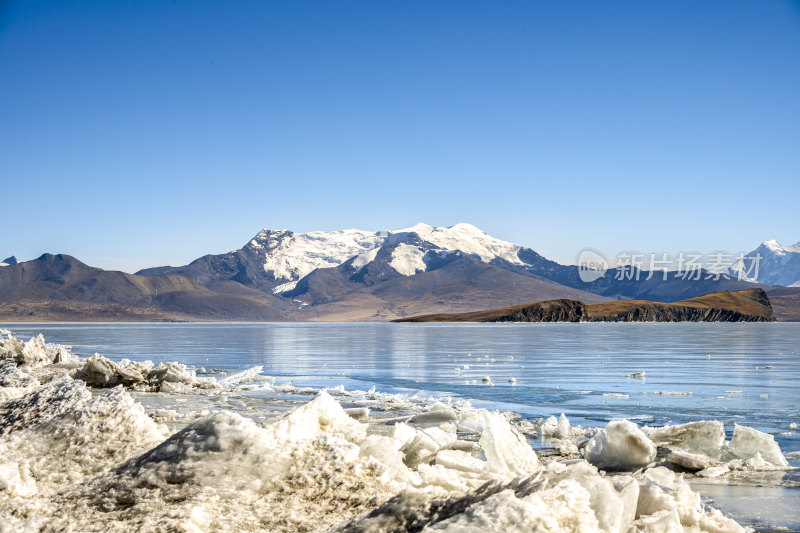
[[343, 275]]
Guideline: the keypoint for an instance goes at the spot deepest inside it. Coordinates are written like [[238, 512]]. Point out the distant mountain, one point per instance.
[[276, 260], [778, 265], [59, 287], [622, 284], [297, 265], [9, 261], [335, 275]]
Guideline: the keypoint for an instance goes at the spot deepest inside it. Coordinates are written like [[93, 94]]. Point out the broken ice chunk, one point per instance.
[[628, 490], [12, 376], [549, 426], [556, 428], [323, 414], [690, 461], [458, 460], [612, 510], [384, 450], [507, 452], [620, 446], [174, 388], [99, 371], [239, 377], [41, 404], [34, 353], [438, 414], [664, 490], [714, 471], [359, 413], [747, 442], [420, 445], [706, 437], [402, 433], [662, 521], [562, 430], [563, 507]]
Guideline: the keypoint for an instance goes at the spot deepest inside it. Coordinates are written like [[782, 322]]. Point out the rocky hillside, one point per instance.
[[59, 287], [750, 305], [786, 303]]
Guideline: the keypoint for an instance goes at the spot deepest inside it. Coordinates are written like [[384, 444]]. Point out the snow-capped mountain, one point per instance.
[[286, 256], [282, 257], [777, 265], [463, 237]]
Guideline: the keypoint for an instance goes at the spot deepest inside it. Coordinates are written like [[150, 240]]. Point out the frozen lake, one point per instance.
[[747, 373], [744, 373]]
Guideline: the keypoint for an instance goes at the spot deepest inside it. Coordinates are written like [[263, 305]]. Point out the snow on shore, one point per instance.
[[74, 458]]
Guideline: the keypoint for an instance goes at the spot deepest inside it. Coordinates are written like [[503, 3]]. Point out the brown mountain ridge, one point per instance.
[[750, 305], [62, 288]]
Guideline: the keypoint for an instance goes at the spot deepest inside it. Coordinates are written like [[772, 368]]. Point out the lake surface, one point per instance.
[[743, 373]]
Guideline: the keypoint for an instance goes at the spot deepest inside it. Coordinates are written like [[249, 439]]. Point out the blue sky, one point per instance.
[[142, 133]]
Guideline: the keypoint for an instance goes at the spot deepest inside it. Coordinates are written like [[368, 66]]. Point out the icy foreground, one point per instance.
[[80, 459]]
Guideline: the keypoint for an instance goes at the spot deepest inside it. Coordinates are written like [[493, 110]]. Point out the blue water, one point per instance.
[[569, 368]]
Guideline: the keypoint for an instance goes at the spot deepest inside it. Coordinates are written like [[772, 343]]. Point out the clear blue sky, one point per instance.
[[139, 133]]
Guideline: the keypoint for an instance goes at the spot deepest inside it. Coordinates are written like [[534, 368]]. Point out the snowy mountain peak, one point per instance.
[[416, 228], [465, 227], [470, 240], [779, 248], [289, 256], [777, 265], [269, 238], [286, 256]]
